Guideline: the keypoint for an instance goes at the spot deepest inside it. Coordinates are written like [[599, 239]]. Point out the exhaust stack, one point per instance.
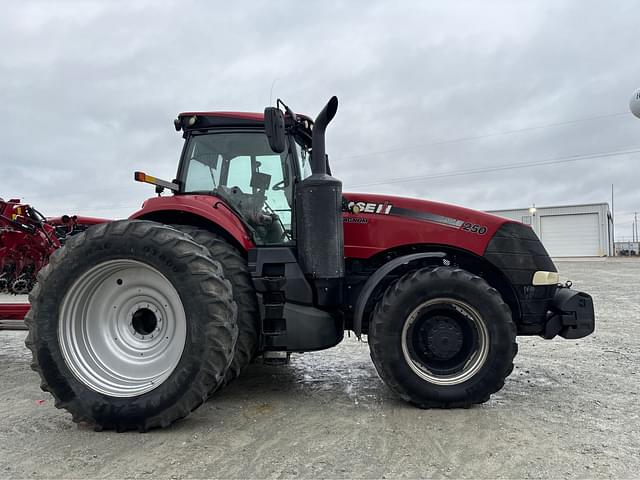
[[318, 153], [319, 218]]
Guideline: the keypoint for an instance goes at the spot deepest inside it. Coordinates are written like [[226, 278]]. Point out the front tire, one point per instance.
[[131, 325], [442, 337]]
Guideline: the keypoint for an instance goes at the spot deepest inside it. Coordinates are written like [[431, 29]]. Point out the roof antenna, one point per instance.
[[271, 91]]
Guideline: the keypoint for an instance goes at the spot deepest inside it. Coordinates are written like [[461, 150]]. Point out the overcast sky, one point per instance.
[[90, 90]]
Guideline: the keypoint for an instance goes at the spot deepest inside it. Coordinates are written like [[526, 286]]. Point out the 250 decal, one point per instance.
[[473, 228]]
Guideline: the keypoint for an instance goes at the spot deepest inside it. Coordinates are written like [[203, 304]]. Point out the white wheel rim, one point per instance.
[[476, 360], [122, 328]]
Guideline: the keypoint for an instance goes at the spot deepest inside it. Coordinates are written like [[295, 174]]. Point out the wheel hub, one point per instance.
[[445, 341], [145, 321], [444, 338]]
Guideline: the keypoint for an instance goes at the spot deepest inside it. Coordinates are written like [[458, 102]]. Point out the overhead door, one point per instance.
[[576, 235]]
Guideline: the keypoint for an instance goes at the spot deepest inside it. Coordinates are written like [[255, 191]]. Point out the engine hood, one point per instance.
[[421, 209], [373, 223]]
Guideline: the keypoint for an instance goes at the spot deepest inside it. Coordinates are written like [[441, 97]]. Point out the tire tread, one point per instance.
[[236, 270], [219, 332], [380, 316]]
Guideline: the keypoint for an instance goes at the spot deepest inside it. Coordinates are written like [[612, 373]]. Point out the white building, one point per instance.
[[570, 230]]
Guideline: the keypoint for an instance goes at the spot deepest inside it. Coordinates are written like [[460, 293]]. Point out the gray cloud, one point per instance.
[[89, 91]]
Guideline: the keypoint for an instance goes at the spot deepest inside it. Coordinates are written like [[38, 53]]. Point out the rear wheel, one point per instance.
[[442, 337], [131, 325], [236, 271]]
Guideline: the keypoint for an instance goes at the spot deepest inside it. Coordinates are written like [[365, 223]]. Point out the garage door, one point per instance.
[[571, 235]]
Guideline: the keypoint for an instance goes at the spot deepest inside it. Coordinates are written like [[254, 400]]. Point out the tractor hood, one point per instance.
[[374, 223]]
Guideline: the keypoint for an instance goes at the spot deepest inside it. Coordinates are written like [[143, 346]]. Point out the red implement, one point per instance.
[[27, 240], [12, 316], [13, 311]]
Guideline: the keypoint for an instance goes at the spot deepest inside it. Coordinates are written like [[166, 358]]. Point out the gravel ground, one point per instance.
[[570, 409]]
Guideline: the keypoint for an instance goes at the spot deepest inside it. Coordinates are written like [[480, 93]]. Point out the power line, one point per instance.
[[495, 168], [478, 137], [466, 139], [511, 166]]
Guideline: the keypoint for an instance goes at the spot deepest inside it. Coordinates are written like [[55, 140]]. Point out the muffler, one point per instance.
[[319, 218]]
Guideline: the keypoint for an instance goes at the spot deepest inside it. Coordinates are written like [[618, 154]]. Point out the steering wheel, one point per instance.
[[279, 186], [286, 235]]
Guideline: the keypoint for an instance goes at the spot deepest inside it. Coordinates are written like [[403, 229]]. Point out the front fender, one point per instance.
[[198, 210], [373, 281]]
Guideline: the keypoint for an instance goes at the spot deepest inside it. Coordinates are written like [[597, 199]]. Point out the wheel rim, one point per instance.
[[445, 341], [122, 328]]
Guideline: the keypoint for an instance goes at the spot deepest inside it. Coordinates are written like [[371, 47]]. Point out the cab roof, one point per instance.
[[188, 121], [200, 120]]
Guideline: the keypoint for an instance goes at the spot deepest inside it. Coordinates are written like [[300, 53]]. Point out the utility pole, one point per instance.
[[613, 224], [634, 106]]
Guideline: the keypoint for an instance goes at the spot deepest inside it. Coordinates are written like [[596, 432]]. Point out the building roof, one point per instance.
[[552, 206]]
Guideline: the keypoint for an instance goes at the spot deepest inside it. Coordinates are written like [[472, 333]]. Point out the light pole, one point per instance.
[[634, 106], [532, 211]]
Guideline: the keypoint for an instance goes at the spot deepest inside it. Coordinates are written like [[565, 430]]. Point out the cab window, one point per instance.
[[242, 169]]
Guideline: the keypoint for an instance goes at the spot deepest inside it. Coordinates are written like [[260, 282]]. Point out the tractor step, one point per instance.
[[289, 320], [276, 358]]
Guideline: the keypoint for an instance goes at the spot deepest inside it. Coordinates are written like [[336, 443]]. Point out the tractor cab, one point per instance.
[[268, 174], [228, 155]]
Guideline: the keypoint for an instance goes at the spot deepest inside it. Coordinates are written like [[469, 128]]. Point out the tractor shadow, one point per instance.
[[346, 376]]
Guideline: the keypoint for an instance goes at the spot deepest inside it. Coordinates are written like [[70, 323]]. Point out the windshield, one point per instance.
[[241, 168]]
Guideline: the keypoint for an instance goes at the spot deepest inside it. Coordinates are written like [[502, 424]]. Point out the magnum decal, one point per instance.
[[360, 220]]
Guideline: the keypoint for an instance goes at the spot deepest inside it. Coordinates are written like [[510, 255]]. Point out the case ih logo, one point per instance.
[[364, 207]]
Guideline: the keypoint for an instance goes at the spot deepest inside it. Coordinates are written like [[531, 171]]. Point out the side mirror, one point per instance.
[[274, 128]]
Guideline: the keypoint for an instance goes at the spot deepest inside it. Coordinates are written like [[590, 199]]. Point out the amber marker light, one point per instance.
[[140, 176]]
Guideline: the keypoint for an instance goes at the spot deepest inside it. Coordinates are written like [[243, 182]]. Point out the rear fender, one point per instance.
[[203, 211]]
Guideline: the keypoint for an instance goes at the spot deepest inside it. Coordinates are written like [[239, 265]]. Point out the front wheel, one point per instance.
[[442, 337], [131, 325]]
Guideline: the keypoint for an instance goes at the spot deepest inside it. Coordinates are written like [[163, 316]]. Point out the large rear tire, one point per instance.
[[131, 325], [442, 337], [236, 271]]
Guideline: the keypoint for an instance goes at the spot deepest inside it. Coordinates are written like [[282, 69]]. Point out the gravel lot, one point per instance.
[[570, 409]]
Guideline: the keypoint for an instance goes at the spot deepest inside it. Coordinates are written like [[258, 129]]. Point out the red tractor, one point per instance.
[[135, 323]]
